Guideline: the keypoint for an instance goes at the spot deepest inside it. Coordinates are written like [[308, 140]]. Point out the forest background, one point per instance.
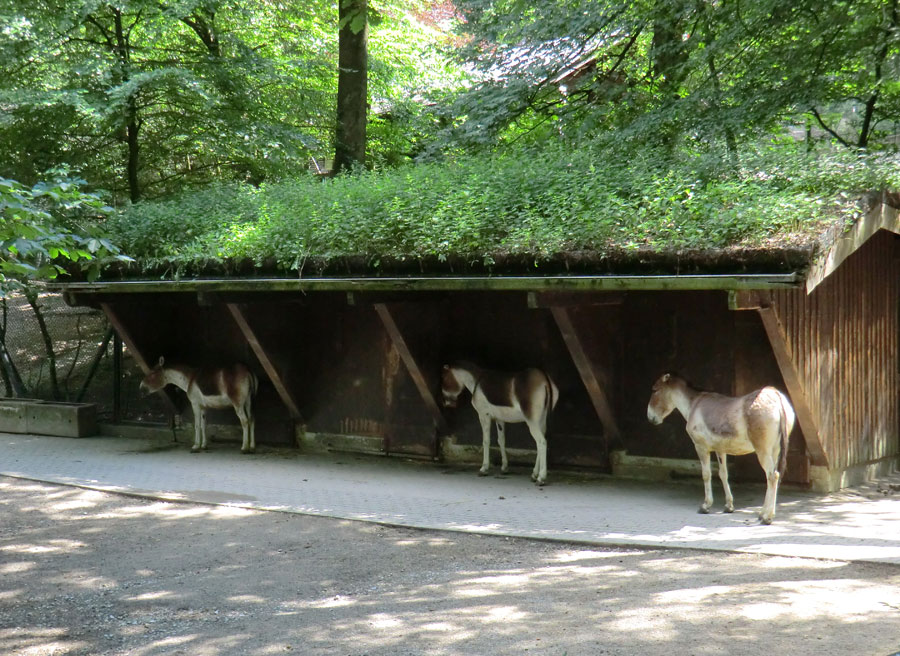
[[194, 131]]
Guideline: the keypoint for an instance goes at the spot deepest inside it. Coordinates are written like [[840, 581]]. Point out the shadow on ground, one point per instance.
[[85, 572]]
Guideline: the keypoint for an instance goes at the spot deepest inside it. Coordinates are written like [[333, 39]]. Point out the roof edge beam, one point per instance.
[[882, 217], [441, 283]]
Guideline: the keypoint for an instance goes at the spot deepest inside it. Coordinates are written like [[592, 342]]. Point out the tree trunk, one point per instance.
[[668, 55], [352, 96], [132, 126], [12, 381], [134, 189], [32, 296]]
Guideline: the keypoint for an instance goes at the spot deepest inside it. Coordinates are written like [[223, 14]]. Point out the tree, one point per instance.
[[143, 97], [352, 93], [665, 70], [43, 229]]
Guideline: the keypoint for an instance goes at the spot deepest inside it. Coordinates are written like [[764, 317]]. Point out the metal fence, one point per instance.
[[64, 353]]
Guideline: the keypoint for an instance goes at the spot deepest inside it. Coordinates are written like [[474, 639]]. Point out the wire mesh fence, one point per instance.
[[54, 352]]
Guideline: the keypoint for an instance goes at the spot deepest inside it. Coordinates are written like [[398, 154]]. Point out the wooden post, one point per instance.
[[116, 322], [759, 301], [586, 370], [794, 386], [266, 362], [412, 366]]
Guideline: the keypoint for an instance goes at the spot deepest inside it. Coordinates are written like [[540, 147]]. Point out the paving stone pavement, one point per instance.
[[861, 524]]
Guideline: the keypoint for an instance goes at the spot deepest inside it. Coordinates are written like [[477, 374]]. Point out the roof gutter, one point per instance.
[[725, 282]]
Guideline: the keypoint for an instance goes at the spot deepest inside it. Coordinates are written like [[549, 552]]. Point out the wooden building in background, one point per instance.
[[353, 363]]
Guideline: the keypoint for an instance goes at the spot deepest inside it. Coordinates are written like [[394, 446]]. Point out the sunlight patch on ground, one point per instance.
[[9, 595], [247, 599], [694, 595], [174, 511], [431, 542], [337, 601], [150, 596], [504, 614], [574, 556], [830, 551], [38, 642], [17, 568], [782, 562], [82, 579], [52, 546], [649, 622], [384, 621], [852, 600], [808, 600], [164, 645]]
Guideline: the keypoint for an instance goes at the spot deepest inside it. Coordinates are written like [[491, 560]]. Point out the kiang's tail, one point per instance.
[[550, 398], [784, 434]]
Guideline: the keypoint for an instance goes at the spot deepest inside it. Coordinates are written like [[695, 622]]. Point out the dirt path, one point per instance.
[[85, 572]]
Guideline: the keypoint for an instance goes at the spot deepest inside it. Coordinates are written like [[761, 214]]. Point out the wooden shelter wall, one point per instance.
[[498, 330], [183, 331], [755, 366], [687, 333], [346, 374], [844, 341]]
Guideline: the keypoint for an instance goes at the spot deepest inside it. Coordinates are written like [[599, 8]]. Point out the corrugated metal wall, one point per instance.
[[843, 339]]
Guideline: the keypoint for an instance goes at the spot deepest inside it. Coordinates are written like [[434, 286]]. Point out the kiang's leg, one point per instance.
[[501, 440], [486, 422], [723, 476]]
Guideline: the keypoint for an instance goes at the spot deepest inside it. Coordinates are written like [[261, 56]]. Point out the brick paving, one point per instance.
[[861, 524]]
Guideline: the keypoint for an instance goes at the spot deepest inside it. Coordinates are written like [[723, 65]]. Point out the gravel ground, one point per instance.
[[89, 573]]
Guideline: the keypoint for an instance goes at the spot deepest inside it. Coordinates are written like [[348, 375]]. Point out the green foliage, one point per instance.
[[532, 202], [669, 70], [49, 225], [214, 90]]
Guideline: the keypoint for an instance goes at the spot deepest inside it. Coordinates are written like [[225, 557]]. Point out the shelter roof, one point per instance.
[[782, 262]]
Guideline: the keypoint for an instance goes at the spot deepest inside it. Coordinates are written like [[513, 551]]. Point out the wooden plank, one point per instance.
[[538, 300], [412, 366], [440, 283], [266, 362], [586, 370], [742, 299], [792, 380], [881, 217], [116, 322]]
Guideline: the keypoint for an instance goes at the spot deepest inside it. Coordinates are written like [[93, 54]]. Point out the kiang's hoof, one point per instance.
[[728, 509], [765, 520], [482, 472], [195, 449], [247, 452], [703, 510]]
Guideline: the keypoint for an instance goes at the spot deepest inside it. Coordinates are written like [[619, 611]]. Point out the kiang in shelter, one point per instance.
[[233, 385], [526, 396], [759, 422]]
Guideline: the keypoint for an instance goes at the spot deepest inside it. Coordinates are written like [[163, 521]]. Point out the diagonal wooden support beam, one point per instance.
[[586, 370], [412, 367], [116, 322], [794, 385], [271, 370]]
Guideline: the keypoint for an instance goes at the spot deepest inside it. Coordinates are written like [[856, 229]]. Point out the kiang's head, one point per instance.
[[451, 387], [661, 400], [155, 379]]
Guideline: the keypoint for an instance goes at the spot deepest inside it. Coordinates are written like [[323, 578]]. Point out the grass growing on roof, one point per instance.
[[534, 202]]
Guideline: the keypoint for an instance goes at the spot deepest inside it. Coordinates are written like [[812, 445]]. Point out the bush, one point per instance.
[[532, 202]]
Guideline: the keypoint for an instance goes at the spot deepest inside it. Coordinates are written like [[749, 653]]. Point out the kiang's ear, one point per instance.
[[666, 378], [162, 361], [446, 367]]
